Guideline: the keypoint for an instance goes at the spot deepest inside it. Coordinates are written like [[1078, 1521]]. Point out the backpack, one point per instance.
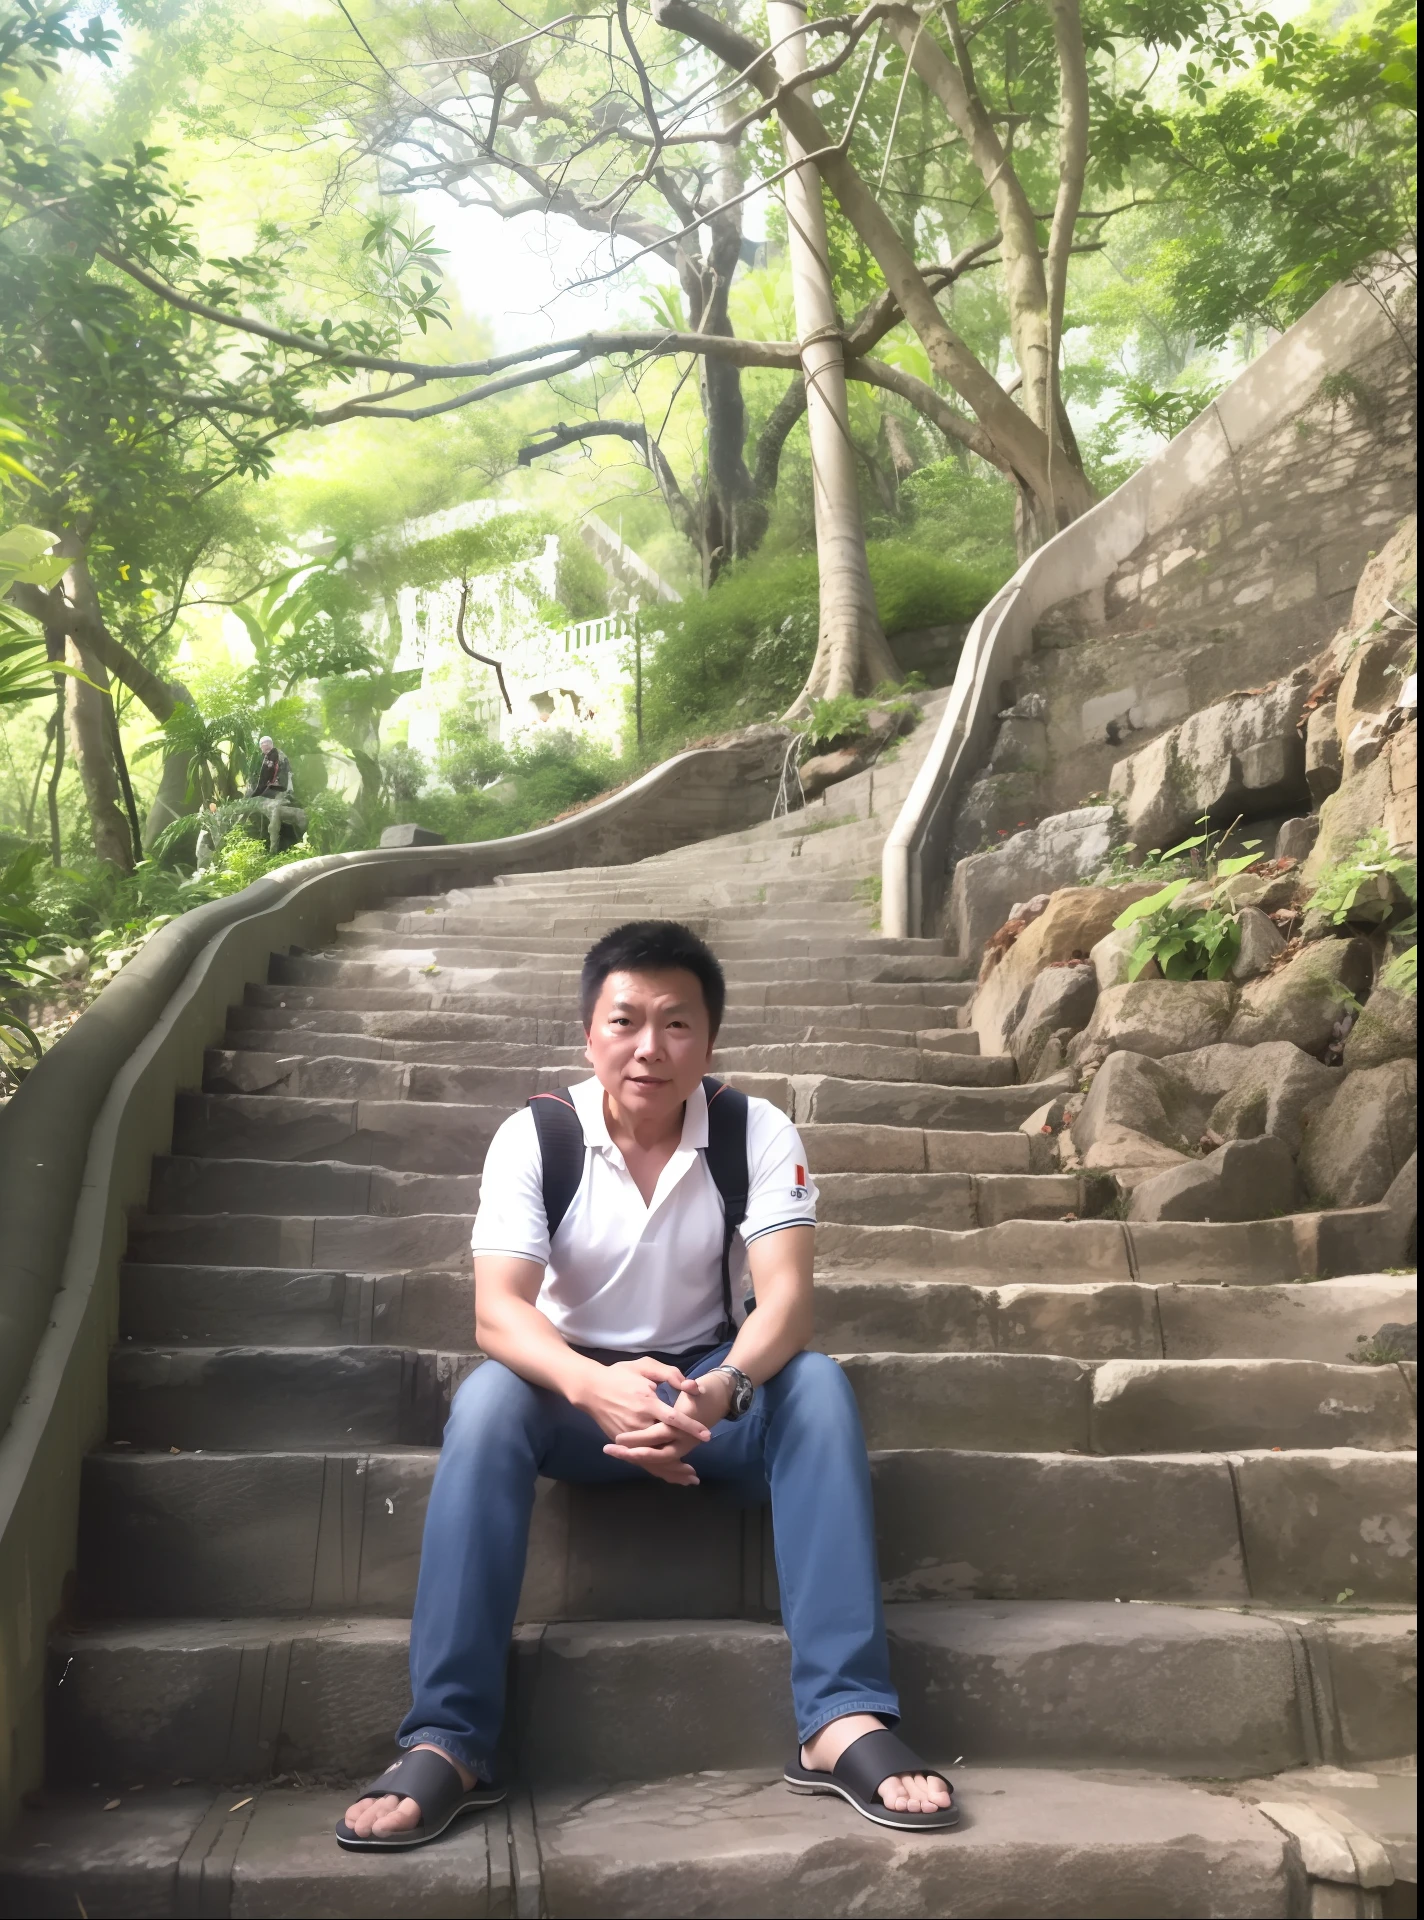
[[561, 1146]]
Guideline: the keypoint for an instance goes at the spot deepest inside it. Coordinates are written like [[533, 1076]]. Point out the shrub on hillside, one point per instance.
[[741, 652]]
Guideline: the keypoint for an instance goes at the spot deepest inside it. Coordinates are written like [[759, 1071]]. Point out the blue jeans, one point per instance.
[[801, 1444]]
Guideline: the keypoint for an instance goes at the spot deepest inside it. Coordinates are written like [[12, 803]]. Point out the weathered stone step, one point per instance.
[[320, 1032], [377, 1243], [231, 1534], [1197, 1252], [183, 1184], [418, 967], [957, 1201], [833, 1100], [906, 1001], [1035, 1842], [345, 1076], [416, 1136], [1178, 1689], [259, 1397], [733, 936], [1325, 1320], [784, 1025], [397, 1134], [481, 945]]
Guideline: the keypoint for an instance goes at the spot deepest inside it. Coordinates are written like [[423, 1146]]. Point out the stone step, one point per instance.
[[1327, 1320], [360, 1036], [235, 1398], [957, 1201], [1197, 1252], [388, 1243], [1182, 1690], [1035, 1841], [183, 1184], [734, 936], [809, 998], [226, 1535], [400, 1135], [344, 1076], [416, 965], [414, 1136]]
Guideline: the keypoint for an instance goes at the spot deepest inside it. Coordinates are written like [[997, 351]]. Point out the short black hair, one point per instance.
[[653, 946]]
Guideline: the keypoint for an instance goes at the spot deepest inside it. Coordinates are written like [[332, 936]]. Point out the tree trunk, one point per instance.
[[1057, 492], [852, 655], [56, 848], [89, 736], [82, 616]]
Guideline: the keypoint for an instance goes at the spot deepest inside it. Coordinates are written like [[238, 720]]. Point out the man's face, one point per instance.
[[650, 1041]]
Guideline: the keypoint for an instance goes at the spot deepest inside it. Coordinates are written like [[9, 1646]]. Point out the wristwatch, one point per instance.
[[742, 1391]]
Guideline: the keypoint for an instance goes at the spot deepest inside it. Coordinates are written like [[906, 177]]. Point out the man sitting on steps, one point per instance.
[[612, 1304]]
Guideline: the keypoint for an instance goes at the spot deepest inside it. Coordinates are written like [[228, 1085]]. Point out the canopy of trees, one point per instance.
[[920, 282]]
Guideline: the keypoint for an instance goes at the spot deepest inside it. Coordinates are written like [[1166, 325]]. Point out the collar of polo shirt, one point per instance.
[[588, 1097]]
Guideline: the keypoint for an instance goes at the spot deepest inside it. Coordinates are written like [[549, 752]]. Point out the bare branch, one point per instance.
[[485, 659]]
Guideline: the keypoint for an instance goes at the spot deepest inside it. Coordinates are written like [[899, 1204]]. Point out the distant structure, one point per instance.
[[579, 678]]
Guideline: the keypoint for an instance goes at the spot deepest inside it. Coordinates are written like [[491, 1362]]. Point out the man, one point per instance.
[[271, 783], [609, 1359]]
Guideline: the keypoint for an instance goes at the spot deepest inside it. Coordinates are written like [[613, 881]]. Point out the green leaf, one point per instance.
[[1154, 902]]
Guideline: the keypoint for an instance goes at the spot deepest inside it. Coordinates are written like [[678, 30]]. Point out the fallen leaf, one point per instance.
[[241, 1804], [109, 1805], [175, 1449]]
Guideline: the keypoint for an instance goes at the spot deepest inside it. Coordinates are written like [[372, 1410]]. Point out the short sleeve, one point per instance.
[[781, 1192], [511, 1217]]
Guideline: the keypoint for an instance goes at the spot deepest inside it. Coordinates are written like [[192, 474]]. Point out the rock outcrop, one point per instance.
[[1305, 1000], [1241, 756], [1059, 851], [1243, 1180], [1355, 1146]]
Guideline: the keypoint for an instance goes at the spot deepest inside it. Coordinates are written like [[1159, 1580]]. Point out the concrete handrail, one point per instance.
[[77, 1140], [1334, 334]]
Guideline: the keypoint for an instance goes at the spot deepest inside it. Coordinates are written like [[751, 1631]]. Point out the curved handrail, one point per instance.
[[1333, 335], [46, 1126]]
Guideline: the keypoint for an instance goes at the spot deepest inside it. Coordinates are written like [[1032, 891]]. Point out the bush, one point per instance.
[[500, 789], [741, 653]]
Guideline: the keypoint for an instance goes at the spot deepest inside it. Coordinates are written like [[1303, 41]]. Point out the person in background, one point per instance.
[[271, 783]]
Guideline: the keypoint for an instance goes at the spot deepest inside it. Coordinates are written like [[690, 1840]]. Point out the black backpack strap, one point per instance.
[[727, 1163], [561, 1151]]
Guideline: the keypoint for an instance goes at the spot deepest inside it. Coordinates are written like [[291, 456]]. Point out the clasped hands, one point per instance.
[[642, 1428]]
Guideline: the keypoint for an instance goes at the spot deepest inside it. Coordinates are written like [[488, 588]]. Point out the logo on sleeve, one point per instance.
[[798, 1192]]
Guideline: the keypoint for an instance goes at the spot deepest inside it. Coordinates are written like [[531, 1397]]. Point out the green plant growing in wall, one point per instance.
[[1199, 941], [1367, 884]]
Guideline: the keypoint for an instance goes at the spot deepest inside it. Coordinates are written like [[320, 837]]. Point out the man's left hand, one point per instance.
[[660, 1449]]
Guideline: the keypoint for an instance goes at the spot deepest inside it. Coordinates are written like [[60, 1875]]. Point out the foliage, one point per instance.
[[1196, 942], [1365, 881], [1296, 180], [24, 937], [1402, 973], [741, 652], [843, 717], [1166, 413]]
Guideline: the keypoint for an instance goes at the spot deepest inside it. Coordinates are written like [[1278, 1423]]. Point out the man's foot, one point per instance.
[[902, 1793], [378, 1819]]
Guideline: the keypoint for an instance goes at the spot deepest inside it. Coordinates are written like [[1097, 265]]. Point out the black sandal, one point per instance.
[[432, 1782], [857, 1775]]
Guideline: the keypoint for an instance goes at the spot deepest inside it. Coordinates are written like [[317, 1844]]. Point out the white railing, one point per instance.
[[588, 634]]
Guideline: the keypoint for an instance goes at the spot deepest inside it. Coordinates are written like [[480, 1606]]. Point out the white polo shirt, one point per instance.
[[624, 1274]]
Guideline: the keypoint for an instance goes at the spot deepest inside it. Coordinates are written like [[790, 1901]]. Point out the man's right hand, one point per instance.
[[623, 1399]]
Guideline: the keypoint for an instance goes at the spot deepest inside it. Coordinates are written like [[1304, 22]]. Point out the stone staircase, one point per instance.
[[1141, 1526]]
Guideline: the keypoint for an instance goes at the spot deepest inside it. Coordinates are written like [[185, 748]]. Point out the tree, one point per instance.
[[851, 651]]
